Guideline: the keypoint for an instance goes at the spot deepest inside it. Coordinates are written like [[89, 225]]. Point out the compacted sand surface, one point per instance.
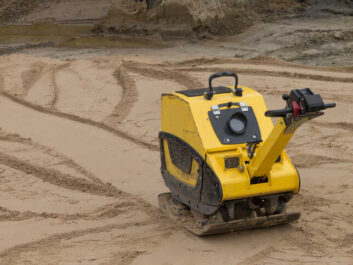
[[79, 163]]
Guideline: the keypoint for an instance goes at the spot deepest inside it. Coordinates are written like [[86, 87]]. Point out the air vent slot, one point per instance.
[[231, 162]]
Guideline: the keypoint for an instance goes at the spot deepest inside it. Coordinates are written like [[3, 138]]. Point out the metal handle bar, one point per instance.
[[209, 93]]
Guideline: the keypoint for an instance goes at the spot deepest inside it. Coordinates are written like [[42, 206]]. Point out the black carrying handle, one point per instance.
[[209, 93]]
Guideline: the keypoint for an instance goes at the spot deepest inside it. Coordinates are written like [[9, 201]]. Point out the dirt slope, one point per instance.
[[79, 163]]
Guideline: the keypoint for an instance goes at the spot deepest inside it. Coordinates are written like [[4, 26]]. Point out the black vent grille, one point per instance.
[[180, 156], [231, 162]]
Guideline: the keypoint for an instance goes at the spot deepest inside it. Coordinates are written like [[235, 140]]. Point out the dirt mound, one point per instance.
[[12, 9], [200, 17], [33, 11], [167, 18]]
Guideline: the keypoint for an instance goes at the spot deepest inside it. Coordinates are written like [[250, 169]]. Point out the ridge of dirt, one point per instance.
[[154, 72], [308, 161], [128, 99], [192, 17], [21, 47], [67, 161], [1, 82], [31, 76], [271, 73], [8, 255], [103, 212], [258, 256], [257, 60], [56, 91], [339, 125], [57, 178], [82, 120]]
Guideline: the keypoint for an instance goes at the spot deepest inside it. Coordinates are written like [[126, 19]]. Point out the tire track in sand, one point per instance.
[[258, 60], [58, 178], [67, 181], [76, 118], [124, 257], [129, 90], [31, 76], [128, 99], [81, 120], [67, 161], [10, 255], [151, 71], [337, 125], [105, 128], [56, 91], [1, 83], [258, 257], [64, 180], [257, 72], [309, 161], [106, 211]]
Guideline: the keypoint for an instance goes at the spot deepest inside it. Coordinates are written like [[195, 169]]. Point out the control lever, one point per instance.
[[301, 102]]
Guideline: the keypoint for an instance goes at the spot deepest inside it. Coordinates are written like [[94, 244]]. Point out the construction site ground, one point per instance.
[[79, 154]]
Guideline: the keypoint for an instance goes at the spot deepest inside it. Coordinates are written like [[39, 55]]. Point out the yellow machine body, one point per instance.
[[224, 162], [187, 118]]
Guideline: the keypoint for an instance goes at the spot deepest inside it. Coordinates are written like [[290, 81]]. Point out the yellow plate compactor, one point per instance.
[[224, 161]]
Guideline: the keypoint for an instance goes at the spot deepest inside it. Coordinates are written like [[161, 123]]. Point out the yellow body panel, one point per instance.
[[187, 118], [178, 120], [200, 107]]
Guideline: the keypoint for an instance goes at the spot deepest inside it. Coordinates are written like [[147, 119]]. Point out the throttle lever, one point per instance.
[[301, 102]]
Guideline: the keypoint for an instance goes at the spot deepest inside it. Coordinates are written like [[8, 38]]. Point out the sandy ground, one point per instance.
[[79, 159], [79, 162]]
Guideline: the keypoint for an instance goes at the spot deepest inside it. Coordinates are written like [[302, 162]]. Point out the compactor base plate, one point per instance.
[[203, 225]]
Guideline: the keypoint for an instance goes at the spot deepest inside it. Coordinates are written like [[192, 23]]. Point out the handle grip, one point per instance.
[[278, 112], [283, 112], [329, 105], [209, 93]]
